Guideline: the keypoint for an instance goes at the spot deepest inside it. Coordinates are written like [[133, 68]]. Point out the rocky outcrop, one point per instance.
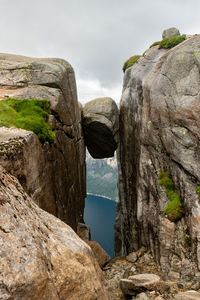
[[99, 253], [145, 275], [189, 295], [170, 32], [142, 282], [42, 257], [101, 125], [159, 132], [54, 175]]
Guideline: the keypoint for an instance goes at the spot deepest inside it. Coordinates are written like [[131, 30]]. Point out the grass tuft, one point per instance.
[[187, 240], [198, 190], [174, 210], [29, 115], [131, 61], [170, 42]]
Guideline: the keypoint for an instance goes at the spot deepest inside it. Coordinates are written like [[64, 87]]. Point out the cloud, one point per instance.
[[92, 88], [96, 37]]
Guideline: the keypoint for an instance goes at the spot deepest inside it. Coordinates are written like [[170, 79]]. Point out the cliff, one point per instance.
[[159, 162], [53, 174]]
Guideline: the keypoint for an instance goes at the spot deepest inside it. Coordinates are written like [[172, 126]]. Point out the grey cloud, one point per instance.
[[96, 37]]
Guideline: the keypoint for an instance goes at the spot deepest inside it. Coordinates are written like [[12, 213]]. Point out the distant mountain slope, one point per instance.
[[102, 176]]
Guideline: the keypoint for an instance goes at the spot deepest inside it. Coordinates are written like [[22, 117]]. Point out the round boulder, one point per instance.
[[101, 127], [170, 32], [142, 282]]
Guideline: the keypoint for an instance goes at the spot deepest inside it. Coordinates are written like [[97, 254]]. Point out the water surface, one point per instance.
[[100, 216]]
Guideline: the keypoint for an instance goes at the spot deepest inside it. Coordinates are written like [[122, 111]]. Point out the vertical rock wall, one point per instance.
[[54, 175], [159, 131]]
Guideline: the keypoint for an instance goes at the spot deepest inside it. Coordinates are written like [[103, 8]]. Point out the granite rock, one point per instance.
[[159, 131], [142, 282], [189, 295], [170, 32], [99, 253], [41, 257], [53, 175], [101, 126]]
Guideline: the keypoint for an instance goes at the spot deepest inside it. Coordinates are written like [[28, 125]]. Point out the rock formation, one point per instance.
[[54, 175], [159, 134], [42, 257], [99, 253], [170, 32], [101, 126]]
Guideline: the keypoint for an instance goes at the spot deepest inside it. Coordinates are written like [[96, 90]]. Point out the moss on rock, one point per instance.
[[198, 190], [131, 61], [169, 42], [174, 209], [155, 44], [29, 115]]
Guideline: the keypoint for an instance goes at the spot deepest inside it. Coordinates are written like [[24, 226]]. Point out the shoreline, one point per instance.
[[91, 194]]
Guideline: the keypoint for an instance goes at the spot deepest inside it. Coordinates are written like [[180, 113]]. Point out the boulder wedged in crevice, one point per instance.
[[101, 126]]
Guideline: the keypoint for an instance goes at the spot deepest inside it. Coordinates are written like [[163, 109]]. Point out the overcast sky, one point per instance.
[[94, 36]]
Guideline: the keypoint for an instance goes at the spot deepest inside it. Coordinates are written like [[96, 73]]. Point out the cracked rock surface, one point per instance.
[[159, 132], [41, 257], [53, 175]]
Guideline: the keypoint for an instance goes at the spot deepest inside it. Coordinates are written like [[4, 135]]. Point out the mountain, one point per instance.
[[102, 176]]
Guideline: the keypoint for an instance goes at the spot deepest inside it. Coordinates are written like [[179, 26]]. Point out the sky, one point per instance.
[[95, 36]]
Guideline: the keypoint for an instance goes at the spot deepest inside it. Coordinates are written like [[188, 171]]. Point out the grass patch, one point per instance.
[[187, 240], [198, 190], [174, 210], [29, 115], [170, 42], [155, 44], [131, 61]]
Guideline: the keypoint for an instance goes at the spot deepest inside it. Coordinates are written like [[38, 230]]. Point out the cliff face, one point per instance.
[[42, 257], [54, 175], [159, 132]]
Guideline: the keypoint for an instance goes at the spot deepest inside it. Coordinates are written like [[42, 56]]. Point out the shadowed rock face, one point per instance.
[[159, 131], [42, 257], [101, 125], [54, 175]]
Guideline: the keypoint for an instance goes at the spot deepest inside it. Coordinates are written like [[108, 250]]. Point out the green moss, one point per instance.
[[131, 61], [198, 190], [155, 44], [170, 42], [174, 210], [187, 240], [29, 115]]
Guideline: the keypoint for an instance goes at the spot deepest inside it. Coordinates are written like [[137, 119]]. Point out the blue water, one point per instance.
[[100, 216]]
